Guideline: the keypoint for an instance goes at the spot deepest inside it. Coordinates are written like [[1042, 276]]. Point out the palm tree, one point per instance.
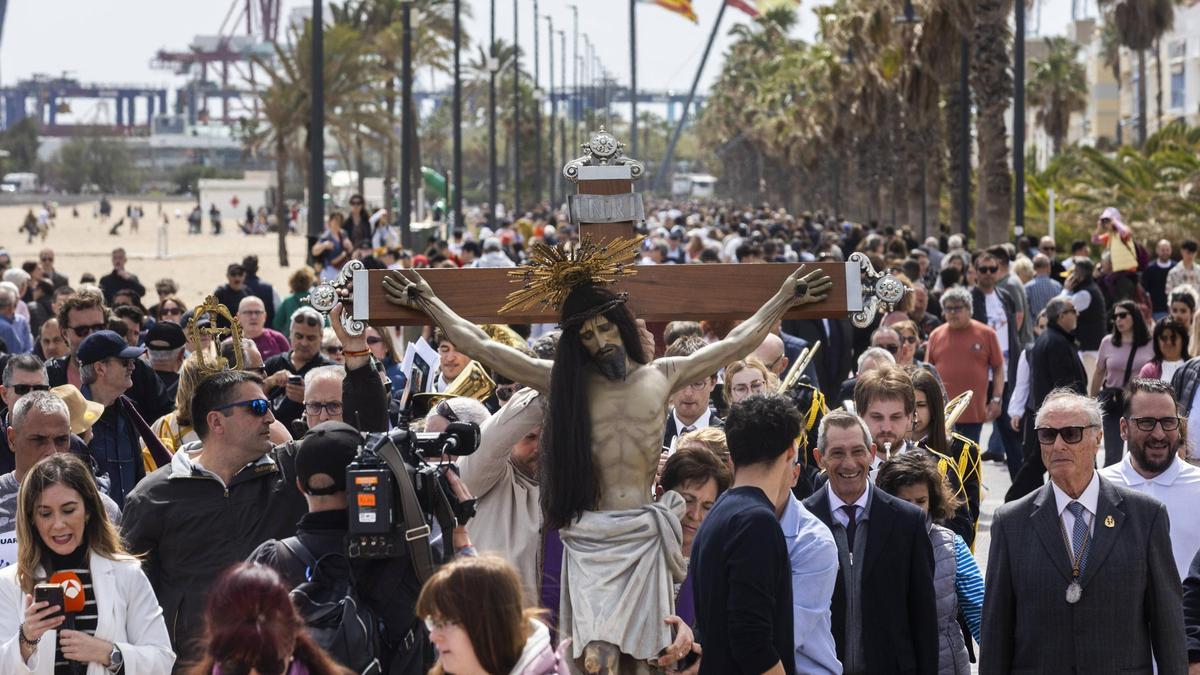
[[1139, 23], [1057, 86], [991, 84]]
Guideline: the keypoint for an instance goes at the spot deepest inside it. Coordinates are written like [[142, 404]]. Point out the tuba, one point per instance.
[[472, 382], [955, 408]]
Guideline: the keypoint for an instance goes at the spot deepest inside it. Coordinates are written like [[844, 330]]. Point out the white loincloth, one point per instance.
[[618, 577]]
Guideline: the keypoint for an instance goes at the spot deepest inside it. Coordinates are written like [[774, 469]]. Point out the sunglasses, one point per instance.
[[1048, 248], [908, 339], [990, 269], [170, 311], [1148, 423], [333, 349], [1070, 435], [314, 408], [950, 309], [1121, 315], [23, 389], [128, 363], [84, 331], [258, 406], [443, 409], [892, 348]]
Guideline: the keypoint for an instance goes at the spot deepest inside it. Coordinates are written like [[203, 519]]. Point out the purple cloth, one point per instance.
[[552, 556], [685, 604], [270, 343]]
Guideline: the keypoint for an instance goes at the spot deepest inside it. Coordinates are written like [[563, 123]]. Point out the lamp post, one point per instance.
[[516, 127], [316, 132], [575, 68], [553, 112], [408, 125], [493, 65], [562, 123], [456, 200], [633, 89], [538, 98]]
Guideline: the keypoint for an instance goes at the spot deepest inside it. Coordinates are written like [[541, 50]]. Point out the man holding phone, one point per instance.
[[285, 372]]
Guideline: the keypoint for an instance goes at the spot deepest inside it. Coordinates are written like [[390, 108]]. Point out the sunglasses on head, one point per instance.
[[260, 370], [1070, 435], [306, 320], [443, 409], [258, 406], [23, 389], [84, 331]]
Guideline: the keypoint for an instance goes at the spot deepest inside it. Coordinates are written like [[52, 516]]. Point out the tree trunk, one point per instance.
[[1158, 79], [992, 84], [360, 166], [414, 142], [955, 101], [281, 211], [389, 142], [1141, 90]]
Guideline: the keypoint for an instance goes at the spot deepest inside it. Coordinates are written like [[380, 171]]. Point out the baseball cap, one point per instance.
[[84, 413], [327, 448], [105, 344], [165, 335]]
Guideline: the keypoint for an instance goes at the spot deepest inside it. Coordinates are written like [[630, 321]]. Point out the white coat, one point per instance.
[[128, 615]]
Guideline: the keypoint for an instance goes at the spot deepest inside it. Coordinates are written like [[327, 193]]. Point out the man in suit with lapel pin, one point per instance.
[[1081, 577], [884, 618]]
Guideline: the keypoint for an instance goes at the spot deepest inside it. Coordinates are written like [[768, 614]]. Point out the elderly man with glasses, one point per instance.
[[1081, 577]]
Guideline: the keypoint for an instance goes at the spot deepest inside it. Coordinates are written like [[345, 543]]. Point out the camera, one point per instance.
[[398, 485]]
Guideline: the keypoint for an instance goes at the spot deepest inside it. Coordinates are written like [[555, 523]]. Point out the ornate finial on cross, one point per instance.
[[603, 149]]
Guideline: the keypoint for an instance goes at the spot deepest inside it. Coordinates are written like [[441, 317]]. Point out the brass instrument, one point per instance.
[[798, 368], [472, 382], [956, 407], [214, 310], [498, 332]]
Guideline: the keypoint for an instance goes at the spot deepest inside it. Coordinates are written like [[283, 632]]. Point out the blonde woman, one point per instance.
[[62, 527]]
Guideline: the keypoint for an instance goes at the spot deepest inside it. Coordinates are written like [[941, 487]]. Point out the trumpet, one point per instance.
[[798, 368], [956, 407]]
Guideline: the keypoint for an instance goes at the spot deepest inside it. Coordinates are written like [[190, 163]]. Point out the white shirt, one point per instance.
[[1194, 426], [1020, 390], [1169, 368], [997, 319], [1081, 299], [836, 504], [1089, 499], [1178, 488], [704, 420]]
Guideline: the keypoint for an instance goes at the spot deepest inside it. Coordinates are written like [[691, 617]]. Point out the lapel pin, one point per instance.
[[1109, 522]]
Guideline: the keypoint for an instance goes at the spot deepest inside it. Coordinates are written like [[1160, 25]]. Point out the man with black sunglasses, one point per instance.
[[1153, 432], [23, 373], [995, 307], [1081, 577]]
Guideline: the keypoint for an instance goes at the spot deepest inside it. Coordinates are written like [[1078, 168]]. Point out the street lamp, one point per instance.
[[408, 125]]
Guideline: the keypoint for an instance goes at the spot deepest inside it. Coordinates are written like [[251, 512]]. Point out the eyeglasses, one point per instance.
[[891, 347], [1120, 315], [755, 387], [23, 389], [990, 269], [443, 409], [433, 624], [128, 363], [258, 406], [950, 309], [1148, 423], [333, 349], [374, 340], [84, 331], [252, 312], [314, 408], [696, 385], [1070, 435]]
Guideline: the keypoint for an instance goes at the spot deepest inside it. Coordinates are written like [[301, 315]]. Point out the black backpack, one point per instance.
[[336, 617]]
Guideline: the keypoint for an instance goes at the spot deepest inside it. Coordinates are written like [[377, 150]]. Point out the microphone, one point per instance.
[[74, 600], [461, 438]]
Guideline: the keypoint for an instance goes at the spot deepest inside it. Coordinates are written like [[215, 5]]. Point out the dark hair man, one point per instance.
[[743, 588], [216, 500], [23, 373], [287, 398], [884, 618], [119, 279]]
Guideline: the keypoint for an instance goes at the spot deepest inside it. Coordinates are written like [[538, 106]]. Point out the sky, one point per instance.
[[114, 42]]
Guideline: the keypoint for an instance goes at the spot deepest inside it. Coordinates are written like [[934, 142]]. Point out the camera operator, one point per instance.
[[389, 586]]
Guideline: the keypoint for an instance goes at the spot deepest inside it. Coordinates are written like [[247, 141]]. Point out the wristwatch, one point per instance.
[[115, 660]]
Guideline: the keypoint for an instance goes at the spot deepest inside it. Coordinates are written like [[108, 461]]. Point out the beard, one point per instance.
[[1140, 453], [611, 362]]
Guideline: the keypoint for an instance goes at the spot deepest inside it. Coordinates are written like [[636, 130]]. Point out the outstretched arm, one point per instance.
[[408, 289], [798, 289]]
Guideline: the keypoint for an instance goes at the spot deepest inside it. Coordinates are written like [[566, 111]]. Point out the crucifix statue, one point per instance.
[[607, 395]]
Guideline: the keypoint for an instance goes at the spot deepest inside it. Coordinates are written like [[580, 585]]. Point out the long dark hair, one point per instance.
[[935, 434], [251, 623], [569, 482], [1169, 325], [1141, 334]]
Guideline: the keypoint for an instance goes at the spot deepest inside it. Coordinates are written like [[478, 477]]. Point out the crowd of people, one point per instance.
[[178, 485]]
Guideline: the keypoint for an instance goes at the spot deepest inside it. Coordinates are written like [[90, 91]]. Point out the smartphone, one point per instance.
[[51, 593], [296, 380]]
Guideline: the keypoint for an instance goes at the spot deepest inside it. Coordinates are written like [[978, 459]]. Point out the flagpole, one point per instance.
[[666, 163], [633, 88]]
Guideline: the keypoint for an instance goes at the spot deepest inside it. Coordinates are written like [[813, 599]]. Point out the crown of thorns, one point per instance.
[[553, 272]]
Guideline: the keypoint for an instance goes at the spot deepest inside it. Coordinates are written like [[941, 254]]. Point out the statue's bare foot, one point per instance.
[[601, 658]]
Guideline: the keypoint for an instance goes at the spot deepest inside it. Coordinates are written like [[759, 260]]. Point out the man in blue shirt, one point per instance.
[[14, 330], [743, 582]]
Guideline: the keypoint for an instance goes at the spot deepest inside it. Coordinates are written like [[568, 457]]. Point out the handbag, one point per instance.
[[1112, 399]]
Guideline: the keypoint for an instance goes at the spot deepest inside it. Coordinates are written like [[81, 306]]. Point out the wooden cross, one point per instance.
[[604, 179]]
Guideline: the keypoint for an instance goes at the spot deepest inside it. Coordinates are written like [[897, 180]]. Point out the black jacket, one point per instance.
[[189, 528], [147, 392], [899, 630], [1191, 610], [265, 292], [1092, 325], [1055, 363], [835, 361], [671, 431], [112, 282], [285, 409]]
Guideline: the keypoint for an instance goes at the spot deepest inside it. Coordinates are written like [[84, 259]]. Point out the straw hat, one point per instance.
[[84, 413]]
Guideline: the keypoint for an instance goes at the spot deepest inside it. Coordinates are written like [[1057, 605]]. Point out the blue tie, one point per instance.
[[1079, 535]]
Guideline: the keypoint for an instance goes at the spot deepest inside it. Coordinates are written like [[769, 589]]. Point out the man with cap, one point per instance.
[[389, 586], [231, 293], [106, 364], [41, 426], [165, 341]]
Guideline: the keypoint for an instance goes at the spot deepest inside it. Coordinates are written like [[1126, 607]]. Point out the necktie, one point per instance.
[[688, 429], [851, 523], [1079, 535]]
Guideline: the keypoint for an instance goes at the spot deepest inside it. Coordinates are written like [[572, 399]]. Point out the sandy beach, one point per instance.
[[197, 262]]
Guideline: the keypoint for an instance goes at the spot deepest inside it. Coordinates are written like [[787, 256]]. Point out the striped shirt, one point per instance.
[[1039, 290], [85, 621], [968, 583]]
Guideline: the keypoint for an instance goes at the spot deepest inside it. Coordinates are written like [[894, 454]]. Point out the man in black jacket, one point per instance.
[[259, 288], [120, 278], [287, 398], [1054, 363]]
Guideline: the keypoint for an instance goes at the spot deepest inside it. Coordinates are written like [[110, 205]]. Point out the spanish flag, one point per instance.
[[682, 7]]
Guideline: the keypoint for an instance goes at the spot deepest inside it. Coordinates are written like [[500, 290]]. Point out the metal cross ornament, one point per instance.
[[326, 294]]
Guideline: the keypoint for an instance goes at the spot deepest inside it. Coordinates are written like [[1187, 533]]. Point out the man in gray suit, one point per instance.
[[1081, 577]]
